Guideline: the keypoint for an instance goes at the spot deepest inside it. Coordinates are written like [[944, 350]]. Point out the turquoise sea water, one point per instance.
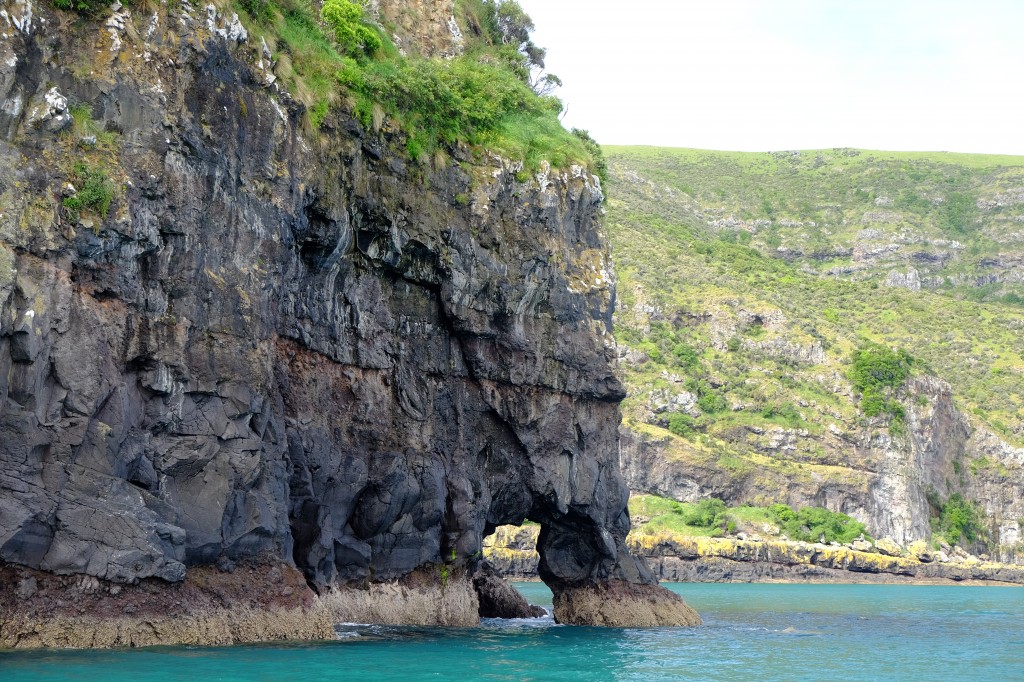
[[751, 632]]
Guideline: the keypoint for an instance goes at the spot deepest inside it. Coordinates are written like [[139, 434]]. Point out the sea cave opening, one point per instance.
[[509, 553]]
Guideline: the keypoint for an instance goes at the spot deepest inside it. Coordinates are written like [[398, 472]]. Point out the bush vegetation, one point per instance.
[[876, 372], [706, 518], [681, 424], [482, 98], [816, 524], [95, 191], [352, 36], [956, 518], [89, 8], [708, 513], [711, 517]]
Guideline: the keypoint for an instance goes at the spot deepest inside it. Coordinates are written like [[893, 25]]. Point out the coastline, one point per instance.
[[847, 578], [674, 558]]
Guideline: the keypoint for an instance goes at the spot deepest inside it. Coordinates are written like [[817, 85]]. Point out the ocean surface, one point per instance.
[[751, 632]]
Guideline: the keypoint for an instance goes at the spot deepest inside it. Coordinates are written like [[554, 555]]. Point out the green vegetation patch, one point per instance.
[[351, 34], [95, 191], [816, 524], [487, 98], [461, 100], [89, 8], [706, 518], [956, 519], [876, 371], [712, 518]]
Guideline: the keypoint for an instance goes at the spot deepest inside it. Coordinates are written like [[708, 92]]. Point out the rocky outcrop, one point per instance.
[[498, 599], [424, 27], [425, 596], [512, 551], [620, 604], [284, 342], [881, 479], [698, 559]]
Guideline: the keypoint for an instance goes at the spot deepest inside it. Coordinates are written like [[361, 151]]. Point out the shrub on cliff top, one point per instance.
[[333, 54], [442, 102], [345, 19], [447, 101], [600, 167], [877, 367], [875, 372]]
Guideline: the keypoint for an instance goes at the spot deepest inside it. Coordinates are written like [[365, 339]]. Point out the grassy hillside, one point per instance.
[[748, 281]]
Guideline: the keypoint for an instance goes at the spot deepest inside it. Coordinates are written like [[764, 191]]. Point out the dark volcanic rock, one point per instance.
[[498, 599], [278, 341]]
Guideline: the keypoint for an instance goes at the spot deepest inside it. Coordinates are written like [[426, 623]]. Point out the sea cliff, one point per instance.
[[290, 349]]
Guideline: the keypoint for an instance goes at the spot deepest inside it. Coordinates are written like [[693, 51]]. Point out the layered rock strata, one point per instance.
[[283, 342]]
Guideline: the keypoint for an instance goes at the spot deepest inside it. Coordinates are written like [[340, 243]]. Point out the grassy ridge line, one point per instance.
[[953, 158]]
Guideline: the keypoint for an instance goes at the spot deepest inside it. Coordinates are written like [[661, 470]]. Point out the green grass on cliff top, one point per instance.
[[480, 98], [731, 265]]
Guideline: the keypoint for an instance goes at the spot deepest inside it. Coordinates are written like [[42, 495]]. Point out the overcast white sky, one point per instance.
[[760, 75]]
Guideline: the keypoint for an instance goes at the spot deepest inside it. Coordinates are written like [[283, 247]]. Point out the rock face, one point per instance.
[[284, 343], [425, 27], [498, 599], [253, 601], [880, 479]]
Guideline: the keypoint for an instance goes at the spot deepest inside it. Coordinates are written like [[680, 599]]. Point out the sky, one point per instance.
[[769, 75]]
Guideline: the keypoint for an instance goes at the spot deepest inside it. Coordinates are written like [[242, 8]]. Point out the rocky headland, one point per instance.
[[283, 360]]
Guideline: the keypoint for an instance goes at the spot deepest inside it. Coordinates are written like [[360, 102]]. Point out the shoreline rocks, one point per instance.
[[698, 559], [622, 604], [676, 558], [254, 602], [424, 597]]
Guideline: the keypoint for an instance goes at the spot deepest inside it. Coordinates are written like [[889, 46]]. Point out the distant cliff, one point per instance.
[[748, 283]]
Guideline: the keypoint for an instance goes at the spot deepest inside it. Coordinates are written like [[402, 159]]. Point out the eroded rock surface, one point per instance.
[[286, 343], [498, 599]]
